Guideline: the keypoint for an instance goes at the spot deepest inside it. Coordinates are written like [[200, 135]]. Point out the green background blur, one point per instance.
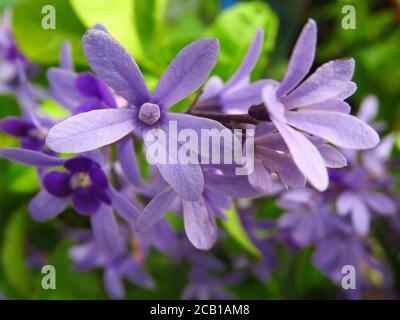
[[153, 31]]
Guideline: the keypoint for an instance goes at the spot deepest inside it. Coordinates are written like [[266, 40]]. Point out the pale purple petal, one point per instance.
[[200, 226], [336, 105], [333, 158], [345, 202], [30, 157], [186, 179], [45, 206], [360, 217], [241, 99], [63, 89], [260, 178], [330, 81], [380, 203], [212, 88], [341, 129], [301, 60], [105, 229], [127, 159], [187, 72], [249, 61], [305, 156], [66, 56], [155, 210], [91, 130], [125, 209], [113, 64], [114, 284], [368, 109], [232, 186]]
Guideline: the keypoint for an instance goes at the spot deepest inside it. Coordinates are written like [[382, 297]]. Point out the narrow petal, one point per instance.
[[106, 231], [249, 61], [241, 99], [66, 56], [336, 105], [260, 179], [331, 80], [305, 156], [301, 60], [63, 90], [186, 179], [127, 159], [30, 157], [113, 64], [212, 88], [333, 158], [124, 208], [360, 217], [155, 210], [15, 126], [232, 186], [199, 225], [114, 283], [345, 202], [368, 109], [45, 206], [187, 72], [91, 130], [341, 129], [381, 203]]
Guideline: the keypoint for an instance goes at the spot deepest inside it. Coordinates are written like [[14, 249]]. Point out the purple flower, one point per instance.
[[84, 184], [112, 64], [78, 92], [315, 107], [237, 94], [199, 215]]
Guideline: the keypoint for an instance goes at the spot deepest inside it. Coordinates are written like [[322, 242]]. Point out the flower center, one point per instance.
[[80, 180], [149, 113]]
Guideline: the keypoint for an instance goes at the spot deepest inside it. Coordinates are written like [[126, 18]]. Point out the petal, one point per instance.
[[360, 217], [63, 89], [124, 208], [113, 64], [336, 105], [86, 84], [186, 179], [249, 61], [368, 109], [30, 157], [155, 210], [98, 177], [333, 158], [232, 186], [15, 126], [78, 164], [199, 225], [127, 159], [187, 72], [114, 284], [301, 60], [345, 202], [341, 129], [106, 231], [45, 206], [86, 201], [260, 179], [240, 100], [331, 80], [381, 203], [57, 183], [305, 156], [91, 130], [66, 56], [212, 88]]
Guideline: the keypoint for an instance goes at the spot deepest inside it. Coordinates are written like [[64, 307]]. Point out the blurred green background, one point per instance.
[[153, 31]]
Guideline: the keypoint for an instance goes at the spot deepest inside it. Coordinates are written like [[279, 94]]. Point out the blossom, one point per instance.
[[237, 94], [112, 64], [315, 107], [84, 184]]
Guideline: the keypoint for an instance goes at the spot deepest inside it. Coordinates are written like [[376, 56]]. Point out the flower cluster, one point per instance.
[[304, 134]]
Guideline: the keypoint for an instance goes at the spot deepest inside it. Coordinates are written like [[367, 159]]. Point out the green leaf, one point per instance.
[[235, 29], [13, 255], [235, 229], [54, 110], [41, 45], [22, 179], [117, 16]]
